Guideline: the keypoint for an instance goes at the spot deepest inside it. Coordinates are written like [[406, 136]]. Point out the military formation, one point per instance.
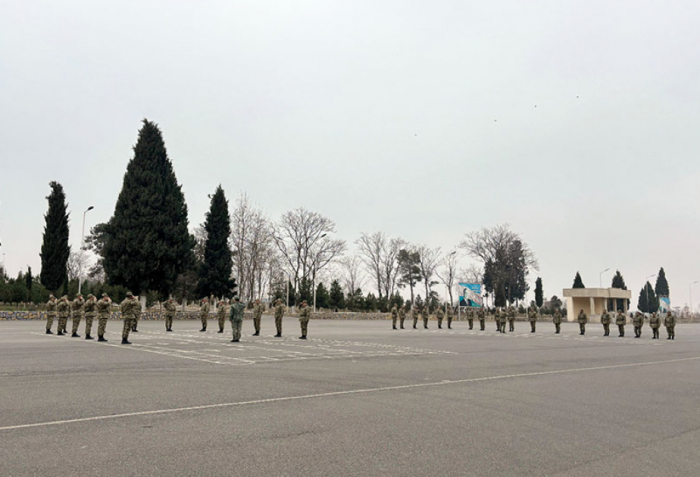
[[62, 309]]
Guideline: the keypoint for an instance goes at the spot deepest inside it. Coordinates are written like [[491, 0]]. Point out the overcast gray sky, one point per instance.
[[574, 121]]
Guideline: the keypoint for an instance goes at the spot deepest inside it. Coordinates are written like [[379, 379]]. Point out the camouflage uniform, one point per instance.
[[279, 313], [90, 312], [257, 316], [482, 318], [221, 314], [670, 324], [511, 318], [204, 314], [470, 318], [63, 309], [131, 310], [449, 314], [605, 321], [236, 316], [620, 321], [402, 316], [304, 316], [394, 316], [502, 317], [556, 319], [655, 323], [440, 315], [414, 315], [169, 306], [77, 310], [425, 314], [103, 311], [638, 322], [582, 320], [532, 316], [50, 314]]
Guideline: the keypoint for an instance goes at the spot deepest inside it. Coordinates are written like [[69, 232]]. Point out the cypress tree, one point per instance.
[[216, 269], [29, 282], [337, 298], [539, 296], [55, 249], [661, 287], [647, 302], [147, 244], [619, 282], [322, 296], [578, 283]]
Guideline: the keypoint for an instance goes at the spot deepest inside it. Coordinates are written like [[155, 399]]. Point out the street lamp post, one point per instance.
[[690, 295], [82, 246], [600, 277]]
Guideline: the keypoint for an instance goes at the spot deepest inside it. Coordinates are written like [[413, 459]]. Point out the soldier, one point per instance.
[[237, 310], [77, 311], [131, 309], [221, 314], [257, 316], [402, 315], [279, 313], [532, 316], [440, 314], [557, 321], [169, 306], [502, 318], [670, 324], [103, 309], [638, 322], [394, 316], [414, 315], [204, 313], [605, 321], [655, 323], [470, 318], [304, 316], [620, 321], [50, 314], [449, 314], [497, 318], [511, 318], [90, 312], [63, 309], [582, 320], [482, 318], [425, 314]]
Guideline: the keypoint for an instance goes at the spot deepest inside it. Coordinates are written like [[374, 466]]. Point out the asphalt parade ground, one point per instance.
[[356, 398]]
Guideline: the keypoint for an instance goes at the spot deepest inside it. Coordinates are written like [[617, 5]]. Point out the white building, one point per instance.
[[593, 301]]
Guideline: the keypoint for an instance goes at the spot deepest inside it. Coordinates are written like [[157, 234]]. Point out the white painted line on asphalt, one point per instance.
[[342, 393]]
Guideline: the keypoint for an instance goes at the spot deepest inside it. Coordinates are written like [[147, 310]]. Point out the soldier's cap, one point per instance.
[[51, 296], [303, 302], [91, 295], [104, 295], [236, 299], [129, 293]]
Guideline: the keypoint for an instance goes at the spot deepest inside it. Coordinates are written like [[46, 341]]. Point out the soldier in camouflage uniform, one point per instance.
[[257, 316], [440, 315], [402, 315], [63, 309], [50, 314], [304, 316], [237, 310], [449, 314], [532, 317], [655, 324], [394, 316], [556, 319], [77, 311], [582, 320], [637, 323], [103, 311], [131, 310], [511, 318], [470, 318], [414, 315], [425, 314], [279, 313], [221, 314], [670, 324], [502, 319], [90, 312], [621, 321], [497, 318], [482, 318], [204, 313], [169, 306], [605, 321]]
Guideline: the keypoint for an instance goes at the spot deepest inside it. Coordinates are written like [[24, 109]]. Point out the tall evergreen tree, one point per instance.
[[408, 269], [539, 295], [147, 242], [619, 282], [29, 282], [337, 298], [661, 287], [215, 272], [55, 249], [578, 283], [647, 302], [323, 298]]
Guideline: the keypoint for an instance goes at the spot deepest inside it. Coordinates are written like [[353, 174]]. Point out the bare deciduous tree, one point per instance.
[[77, 262], [429, 259], [447, 273], [372, 249], [351, 271]]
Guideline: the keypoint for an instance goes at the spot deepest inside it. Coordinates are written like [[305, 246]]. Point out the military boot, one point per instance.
[[125, 341], [101, 338], [220, 331], [88, 337], [278, 335], [49, 332], [59, 333], [257, 333], [75, 335], [302, 337]]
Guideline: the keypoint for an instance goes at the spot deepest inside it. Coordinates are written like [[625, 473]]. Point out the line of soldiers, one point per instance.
[[637, 323], [77, 309]]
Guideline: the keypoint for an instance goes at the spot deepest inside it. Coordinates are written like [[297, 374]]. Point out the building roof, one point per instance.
[[597, 293]]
